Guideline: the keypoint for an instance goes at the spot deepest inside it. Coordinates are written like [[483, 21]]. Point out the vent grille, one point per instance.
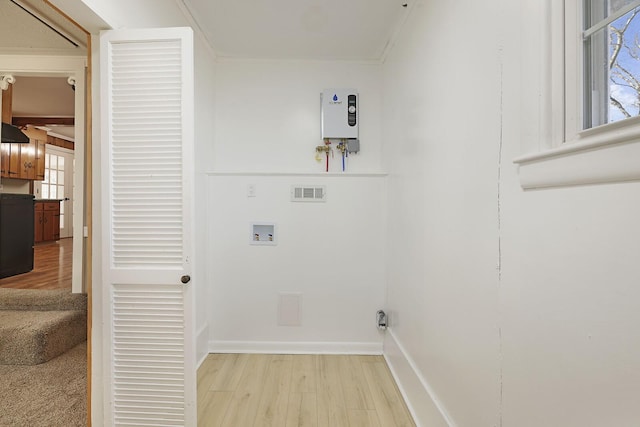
[[310, 193]]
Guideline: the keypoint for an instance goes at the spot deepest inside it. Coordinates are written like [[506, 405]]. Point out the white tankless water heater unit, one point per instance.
[[339, 115]]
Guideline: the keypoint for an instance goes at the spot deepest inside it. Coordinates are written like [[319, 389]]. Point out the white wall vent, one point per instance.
[[308, 193]]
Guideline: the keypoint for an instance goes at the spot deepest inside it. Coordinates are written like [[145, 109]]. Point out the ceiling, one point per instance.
[[47, 32], [299, 29], [51, 97], [358, 30], [283, 29]]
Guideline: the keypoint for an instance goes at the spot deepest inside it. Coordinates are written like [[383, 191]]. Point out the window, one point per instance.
[[53, 184], [611, 61], [584, 97]]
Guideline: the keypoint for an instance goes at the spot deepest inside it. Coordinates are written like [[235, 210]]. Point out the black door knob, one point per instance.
[[185, 279]]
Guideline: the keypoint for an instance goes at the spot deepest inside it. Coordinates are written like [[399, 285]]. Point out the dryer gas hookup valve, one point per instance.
[[381, 320]]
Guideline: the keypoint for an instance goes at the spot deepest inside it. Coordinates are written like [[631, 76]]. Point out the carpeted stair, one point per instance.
[[38, 325]]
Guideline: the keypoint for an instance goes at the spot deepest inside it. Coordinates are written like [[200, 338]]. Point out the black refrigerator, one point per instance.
[[16, 234]]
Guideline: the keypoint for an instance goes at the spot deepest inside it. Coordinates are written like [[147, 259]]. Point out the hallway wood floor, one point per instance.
[[243, 390], [51, 268]]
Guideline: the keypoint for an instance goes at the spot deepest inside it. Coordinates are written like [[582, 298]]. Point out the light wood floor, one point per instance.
[[51, 268], [244, 390]]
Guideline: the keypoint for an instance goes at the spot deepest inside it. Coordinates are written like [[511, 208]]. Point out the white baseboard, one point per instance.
[[267, 347], [422, 402]]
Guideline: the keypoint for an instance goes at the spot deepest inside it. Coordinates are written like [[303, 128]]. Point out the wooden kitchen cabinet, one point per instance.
[[27, 161], [24, 161], [46, 221], [38, 226], [32, 154], [39, 167], [10, 160]]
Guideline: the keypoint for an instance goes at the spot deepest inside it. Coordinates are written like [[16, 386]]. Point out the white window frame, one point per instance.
[[567, 155]]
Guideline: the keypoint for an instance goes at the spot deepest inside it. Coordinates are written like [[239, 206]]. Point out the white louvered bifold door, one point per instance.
[[147, 146]]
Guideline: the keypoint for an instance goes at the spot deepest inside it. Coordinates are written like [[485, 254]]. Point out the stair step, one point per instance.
[[32, 299], [31, 337]]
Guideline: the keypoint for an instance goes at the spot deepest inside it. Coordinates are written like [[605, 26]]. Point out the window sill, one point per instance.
[[604, 154]]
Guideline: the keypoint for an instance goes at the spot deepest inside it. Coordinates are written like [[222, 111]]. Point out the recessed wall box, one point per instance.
[[339, 116], [263, 233]]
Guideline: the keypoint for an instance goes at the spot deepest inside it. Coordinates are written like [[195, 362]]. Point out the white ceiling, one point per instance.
[[282, 29], [51, 34], [53, 94], [21, 32], [44, 97], [299, 29], [357, 30]]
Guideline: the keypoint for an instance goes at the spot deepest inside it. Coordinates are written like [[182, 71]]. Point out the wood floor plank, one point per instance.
[[228, 377], [354, 384], [267, 392], [303, 375], [213, 409], [363, 418], [52, 264], [206, 366], [244, 404], [207, 374], [302, 410], [332, 411], [365, 358], [389, 405], [272, 410]]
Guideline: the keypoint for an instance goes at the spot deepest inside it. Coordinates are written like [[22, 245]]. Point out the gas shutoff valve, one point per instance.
[[381, 320], [324, 149]]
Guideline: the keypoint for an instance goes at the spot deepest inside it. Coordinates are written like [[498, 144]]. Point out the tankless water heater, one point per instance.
[[339, 117]]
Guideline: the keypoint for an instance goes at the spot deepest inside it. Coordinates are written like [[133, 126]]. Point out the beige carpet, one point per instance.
[[42, 300], [38, 325], [51, 394]]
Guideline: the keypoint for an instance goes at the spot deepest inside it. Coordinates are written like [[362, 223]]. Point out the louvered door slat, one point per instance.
[[139, 73]]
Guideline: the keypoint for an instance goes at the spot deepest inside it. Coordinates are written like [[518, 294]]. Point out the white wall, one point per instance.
[[509, 307], [330, 253], [17, 186], [570, 275], [442, 117], [267, 127], [205, 122], [268, 114]]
